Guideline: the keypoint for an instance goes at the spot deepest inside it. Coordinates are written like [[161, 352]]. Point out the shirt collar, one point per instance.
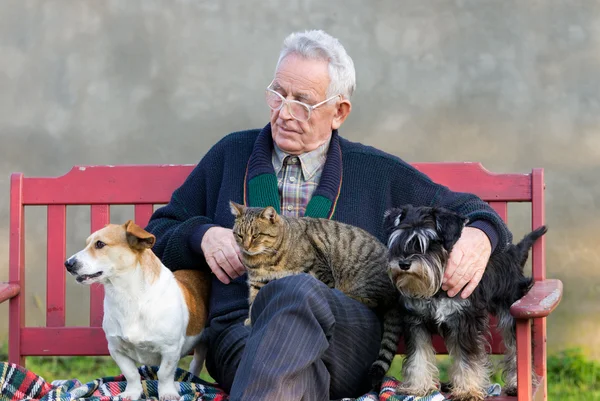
[[310, 162]]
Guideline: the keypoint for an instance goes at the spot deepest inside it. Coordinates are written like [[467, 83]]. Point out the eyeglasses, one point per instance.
[[298, 110]]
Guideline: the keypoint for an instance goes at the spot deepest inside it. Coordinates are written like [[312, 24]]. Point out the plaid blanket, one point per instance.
[[18, 383]]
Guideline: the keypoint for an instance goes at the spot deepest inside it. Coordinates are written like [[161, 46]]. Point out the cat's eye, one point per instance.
[[255, 235]]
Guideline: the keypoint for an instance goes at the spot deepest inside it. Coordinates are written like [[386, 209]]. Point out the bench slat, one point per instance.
[[55, 269], [16, 268], [524, 366], [151, 184], [100, 216], [538, 261], [143, 214], [98, 185], [474, 178], [501, 208], [54, 341]]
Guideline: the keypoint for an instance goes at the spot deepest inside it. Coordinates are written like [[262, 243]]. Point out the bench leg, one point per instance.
[[524, 363]]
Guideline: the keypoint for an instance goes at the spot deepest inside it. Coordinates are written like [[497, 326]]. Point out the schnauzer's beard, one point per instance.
[[424, 277]]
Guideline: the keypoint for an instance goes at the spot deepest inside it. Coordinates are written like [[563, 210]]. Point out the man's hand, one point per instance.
[[467, 262], [222, 254]]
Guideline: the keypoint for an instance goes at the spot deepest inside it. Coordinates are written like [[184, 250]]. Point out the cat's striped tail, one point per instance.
[[392, 329]]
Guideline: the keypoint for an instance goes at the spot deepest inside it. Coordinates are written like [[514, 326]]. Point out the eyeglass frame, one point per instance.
[[285, 101]]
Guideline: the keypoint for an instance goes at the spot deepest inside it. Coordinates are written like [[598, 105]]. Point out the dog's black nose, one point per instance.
[[404, 264], [70, 265]]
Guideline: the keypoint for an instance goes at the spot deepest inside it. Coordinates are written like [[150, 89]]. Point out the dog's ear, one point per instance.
[[269, 213], [236, 209], [137, 237], [449, 226], [392, 217]]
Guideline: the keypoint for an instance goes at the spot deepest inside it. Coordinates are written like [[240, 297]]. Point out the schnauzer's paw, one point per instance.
[[376, 374], [445, 387], [467, 396], [420, 391], [510, 390]]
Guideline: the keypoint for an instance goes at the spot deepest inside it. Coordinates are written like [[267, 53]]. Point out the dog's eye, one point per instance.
[[99, 244]]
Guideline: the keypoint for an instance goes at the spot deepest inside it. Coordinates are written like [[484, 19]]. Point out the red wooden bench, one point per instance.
[[146, 185]]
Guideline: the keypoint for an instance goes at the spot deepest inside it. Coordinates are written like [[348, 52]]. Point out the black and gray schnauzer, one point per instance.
[[419, 241]]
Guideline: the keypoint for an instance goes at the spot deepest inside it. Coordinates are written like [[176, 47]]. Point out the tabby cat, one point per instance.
[[340, 255]]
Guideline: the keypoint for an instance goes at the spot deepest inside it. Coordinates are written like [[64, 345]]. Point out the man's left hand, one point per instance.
[[467, 262]]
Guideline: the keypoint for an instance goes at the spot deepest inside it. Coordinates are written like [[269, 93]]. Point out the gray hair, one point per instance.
[[318, 45]]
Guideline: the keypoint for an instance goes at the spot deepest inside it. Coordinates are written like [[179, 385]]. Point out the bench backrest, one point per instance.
[[147, 185]]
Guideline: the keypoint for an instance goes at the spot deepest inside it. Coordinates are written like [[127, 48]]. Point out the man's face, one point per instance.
[[305, 81]]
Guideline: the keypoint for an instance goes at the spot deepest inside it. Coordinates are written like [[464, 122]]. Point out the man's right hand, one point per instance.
[[222, 254]]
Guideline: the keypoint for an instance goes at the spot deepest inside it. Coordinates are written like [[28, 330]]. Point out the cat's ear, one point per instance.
[[270, 214], [236, 209]]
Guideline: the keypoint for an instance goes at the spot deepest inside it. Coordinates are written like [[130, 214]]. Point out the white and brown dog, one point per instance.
[[152, 316]]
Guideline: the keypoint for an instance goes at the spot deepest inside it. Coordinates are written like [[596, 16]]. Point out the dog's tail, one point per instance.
[[392, 329], [527, 242]]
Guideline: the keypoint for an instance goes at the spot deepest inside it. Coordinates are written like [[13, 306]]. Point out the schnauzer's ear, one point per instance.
[[391, 218], [449, 226]]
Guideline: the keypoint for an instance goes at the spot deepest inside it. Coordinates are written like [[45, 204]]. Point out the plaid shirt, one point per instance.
[[298, 177]]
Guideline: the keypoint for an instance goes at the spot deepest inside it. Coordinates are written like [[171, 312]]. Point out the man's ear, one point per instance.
[[137, 237], [270, 214], [236, 209], [344, 107], [449, 226]]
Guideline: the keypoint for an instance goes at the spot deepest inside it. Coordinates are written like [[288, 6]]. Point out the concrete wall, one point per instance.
[[512, 84]]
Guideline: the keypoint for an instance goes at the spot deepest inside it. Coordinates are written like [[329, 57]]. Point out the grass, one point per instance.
[[571, 375]]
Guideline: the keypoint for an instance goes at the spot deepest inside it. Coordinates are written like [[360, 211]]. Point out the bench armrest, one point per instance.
[[541, 299], [8, 290]]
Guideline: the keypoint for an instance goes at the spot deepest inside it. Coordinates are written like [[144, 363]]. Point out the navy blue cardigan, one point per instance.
[[357, 185]]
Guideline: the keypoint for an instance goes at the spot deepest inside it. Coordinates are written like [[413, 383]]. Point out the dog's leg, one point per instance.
[[133, 390], [166, 376], [199, 356], [419, 371], [509, 363], [470, 371]]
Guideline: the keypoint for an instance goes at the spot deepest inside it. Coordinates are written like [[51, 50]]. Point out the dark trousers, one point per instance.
[[307, 342]]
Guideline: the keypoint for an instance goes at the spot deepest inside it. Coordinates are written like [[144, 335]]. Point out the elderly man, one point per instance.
[[308, 342]]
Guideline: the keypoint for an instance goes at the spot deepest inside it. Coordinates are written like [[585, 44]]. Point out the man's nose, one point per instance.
[[284, 112]]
